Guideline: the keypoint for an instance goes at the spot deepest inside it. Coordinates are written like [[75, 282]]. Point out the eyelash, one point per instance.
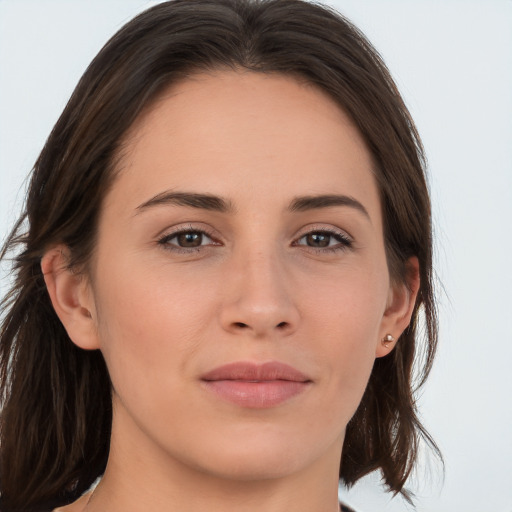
[[164, 241], [344, 241]]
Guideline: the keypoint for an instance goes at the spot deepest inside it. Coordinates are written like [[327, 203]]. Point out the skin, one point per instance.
[[260, 286]]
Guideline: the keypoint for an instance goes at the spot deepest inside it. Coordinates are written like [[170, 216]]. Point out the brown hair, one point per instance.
[[56, 404]]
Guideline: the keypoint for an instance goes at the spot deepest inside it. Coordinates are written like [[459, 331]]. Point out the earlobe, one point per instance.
[[399, 309], [71, 298]]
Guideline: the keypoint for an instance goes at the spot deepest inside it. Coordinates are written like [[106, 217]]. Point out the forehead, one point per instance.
[[233, 131]]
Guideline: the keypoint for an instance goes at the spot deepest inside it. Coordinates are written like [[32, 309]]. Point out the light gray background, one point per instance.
[[452, 61]]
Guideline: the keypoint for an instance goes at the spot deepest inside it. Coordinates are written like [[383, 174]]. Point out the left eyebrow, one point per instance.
[[192, 200], [304, 203]]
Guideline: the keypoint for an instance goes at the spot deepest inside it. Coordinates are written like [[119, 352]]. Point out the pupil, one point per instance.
[[318, 240], [190, 239]]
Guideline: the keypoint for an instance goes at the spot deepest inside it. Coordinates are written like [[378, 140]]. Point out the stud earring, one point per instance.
[[387, 340]]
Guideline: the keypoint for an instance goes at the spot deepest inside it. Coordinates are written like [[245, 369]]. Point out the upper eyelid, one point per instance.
[[333, 234], [343, 241], [171, 232], [164, 240], [213, 234], [324, 229]]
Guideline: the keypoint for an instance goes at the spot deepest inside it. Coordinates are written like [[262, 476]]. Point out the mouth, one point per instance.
[[255, 385]]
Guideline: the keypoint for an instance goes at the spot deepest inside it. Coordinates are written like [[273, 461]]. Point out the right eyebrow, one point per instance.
[[193, 200]]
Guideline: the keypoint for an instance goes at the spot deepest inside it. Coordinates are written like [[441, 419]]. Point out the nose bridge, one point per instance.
[[259, 296], [265, 277]]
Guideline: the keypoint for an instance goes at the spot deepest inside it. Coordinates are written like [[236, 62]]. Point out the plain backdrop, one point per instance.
[[452, 61]]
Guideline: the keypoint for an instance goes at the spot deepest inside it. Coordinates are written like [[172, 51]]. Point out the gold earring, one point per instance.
[[387, 340]]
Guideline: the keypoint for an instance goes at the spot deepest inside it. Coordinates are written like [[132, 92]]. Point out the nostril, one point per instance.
[[241, 325]]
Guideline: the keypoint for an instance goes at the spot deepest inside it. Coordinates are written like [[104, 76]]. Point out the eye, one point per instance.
[[186, 239], [325, 239]]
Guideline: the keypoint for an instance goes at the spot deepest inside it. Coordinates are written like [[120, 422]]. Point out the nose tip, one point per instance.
[[259, 301]]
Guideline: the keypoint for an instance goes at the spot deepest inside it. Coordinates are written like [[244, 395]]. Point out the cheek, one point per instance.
[[346, 320], [149, 326], [349, 306]]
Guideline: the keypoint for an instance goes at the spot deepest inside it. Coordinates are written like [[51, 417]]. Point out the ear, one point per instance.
[[399, 308], [71, 298]]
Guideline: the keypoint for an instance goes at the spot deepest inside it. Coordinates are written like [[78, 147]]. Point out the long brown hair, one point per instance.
[[56, 403]]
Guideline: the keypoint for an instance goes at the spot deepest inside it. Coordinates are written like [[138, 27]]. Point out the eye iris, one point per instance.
[[318, 239], [190, 239]]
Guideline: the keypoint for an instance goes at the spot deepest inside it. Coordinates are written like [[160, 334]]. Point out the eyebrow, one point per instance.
[[215, 203], [304, 203], [193, 200]]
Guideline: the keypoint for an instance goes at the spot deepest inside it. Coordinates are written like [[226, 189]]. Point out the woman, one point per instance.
[[227, 253]]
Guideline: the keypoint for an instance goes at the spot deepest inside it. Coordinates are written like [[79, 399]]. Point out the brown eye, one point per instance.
[[330, 241], [318, 239], [189, 239]]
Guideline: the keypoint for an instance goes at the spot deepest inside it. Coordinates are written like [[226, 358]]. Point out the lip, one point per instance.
[[256, 385]]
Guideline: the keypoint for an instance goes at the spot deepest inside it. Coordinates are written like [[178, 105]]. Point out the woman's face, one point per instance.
[[244, 229]]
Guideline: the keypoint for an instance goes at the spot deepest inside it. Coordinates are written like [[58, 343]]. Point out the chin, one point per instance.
[[258, 466], [261, 455]]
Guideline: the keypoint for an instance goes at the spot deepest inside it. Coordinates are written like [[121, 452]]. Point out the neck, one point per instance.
[[214, 497], [140, 477]]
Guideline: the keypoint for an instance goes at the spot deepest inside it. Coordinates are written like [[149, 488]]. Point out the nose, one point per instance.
[[258, 298]]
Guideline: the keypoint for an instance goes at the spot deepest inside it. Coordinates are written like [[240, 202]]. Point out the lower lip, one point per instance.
[[256, 395]]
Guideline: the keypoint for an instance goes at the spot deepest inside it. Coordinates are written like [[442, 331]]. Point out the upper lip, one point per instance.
[[256, 372]]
